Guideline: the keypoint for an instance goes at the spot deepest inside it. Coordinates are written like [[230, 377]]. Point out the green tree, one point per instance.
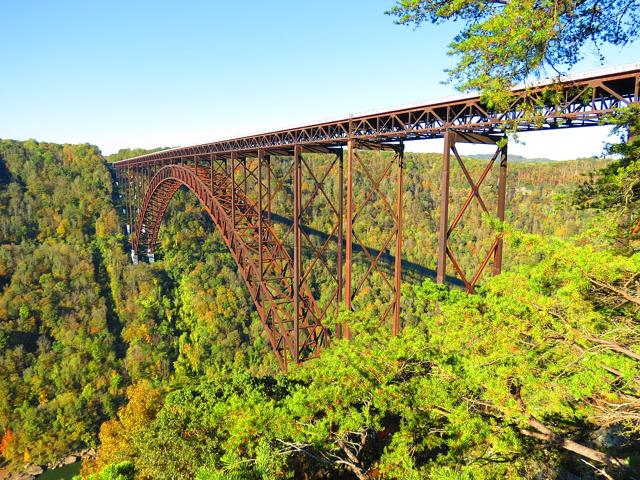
[[115, 471], [503, 42], [522, 380], [79, 324], [614, 190], [125, 153], [58, 365]]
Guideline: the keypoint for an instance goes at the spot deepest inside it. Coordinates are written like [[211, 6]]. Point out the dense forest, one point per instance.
[[165, 366]]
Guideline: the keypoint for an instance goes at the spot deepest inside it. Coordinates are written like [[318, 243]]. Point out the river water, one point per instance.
[[63, 473]]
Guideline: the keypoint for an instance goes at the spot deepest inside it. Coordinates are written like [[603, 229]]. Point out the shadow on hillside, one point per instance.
[[419, 271]]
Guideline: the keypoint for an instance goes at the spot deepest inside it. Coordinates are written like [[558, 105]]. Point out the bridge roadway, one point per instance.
[[237, 181], [581, 101]]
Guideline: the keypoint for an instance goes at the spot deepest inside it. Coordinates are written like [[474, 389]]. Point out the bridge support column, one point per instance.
[[268, 165], [502, 198], [212, 160], [339, 259], [261, 156], [444, 209], [129, 177], [297, 247], [349, 235], [395, 325], [232, 174], [444, 249], [371, 171]]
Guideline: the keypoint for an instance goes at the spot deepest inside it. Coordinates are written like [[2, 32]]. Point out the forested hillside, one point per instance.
[[78, 323], [166, 366]]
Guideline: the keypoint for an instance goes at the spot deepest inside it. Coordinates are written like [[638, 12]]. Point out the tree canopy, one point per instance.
[[90, 343], [505, 42], [614, 190], [522, 380]]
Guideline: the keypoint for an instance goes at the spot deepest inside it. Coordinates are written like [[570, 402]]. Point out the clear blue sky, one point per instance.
[[157, 73]]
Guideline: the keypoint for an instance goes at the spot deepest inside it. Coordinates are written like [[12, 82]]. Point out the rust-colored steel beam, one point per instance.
[[228, 177], [395, 326], [502, 196], [584, 99], [348, 294], [297, 244], [233, 159], [445, 251], [268, 166], [339, 259], [212, 161], [261, 157], [267, 272], [444, 210], [369, 176]]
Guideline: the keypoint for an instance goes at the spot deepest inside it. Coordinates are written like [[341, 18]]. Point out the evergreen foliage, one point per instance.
[[473, 388], [614, 190]]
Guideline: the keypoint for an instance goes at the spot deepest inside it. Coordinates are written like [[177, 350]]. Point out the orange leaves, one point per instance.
[[7, 437]]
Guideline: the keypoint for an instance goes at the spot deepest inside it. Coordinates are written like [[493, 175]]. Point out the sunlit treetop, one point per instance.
[[505, 42]]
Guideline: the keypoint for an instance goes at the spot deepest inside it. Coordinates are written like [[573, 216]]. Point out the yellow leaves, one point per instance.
[[113, 443], [137, 332], [68, 154], [147, 293], [107, 224], [43, 396], [143, 403], [116, 435], [62, 228]]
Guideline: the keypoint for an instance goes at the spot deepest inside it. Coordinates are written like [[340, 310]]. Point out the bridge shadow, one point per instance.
[[420, 272]]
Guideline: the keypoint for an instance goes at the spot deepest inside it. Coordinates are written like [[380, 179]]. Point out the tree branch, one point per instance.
[[353, 462], [546, 434], [611, 288], [616, 347]]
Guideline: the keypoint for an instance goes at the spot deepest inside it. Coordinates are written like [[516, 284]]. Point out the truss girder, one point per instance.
[[575, 103], [262, 259], [237, 185]]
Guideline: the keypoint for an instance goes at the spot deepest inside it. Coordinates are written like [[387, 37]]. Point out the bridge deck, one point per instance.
[[580, 100]]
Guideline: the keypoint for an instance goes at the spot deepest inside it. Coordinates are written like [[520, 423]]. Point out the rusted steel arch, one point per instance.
[[265, 264]]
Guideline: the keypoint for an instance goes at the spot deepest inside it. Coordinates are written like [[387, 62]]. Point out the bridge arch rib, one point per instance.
[[265, 264]]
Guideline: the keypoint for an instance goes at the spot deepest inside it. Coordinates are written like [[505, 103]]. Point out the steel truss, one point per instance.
[[574, 103], [300, 272], [445, 250]]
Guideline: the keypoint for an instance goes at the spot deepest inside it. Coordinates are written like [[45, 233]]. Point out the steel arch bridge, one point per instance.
[[296, 280]]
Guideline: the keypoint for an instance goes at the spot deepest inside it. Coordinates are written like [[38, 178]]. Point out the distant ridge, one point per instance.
[[521, 159]]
